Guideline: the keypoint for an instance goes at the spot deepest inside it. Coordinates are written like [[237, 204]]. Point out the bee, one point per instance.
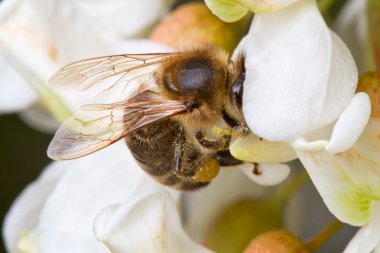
[[166, 107]]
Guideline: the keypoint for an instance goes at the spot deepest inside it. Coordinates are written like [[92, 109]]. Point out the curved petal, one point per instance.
[[144, 223], [298, 72], [90, 184], [368, 236], [350, 124], [233, 10], [228, 11], [265, 173], [25, 211], [255, 149], [362, 161], [339, 193]]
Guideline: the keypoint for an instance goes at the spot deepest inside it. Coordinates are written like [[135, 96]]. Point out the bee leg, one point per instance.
[[207, 170], [215, 144]]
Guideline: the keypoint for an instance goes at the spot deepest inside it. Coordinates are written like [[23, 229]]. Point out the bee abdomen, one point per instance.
[[154, 148]]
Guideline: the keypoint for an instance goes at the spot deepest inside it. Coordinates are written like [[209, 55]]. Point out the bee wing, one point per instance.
[[96, 126], [97, 76]]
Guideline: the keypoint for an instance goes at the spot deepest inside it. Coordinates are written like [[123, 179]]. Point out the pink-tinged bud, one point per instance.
[[194, 24], [276, 241], [370, 83], [239, 223]]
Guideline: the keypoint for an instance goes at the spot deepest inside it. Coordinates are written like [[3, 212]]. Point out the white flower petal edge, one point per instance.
[[24, 213], [348, 181], [368, 236], [145, 223], [92, 183], [266, 173], [350, 124], [295, 68]]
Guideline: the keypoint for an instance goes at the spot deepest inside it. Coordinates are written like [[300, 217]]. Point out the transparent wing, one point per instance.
[[117, 74], [96, 126]]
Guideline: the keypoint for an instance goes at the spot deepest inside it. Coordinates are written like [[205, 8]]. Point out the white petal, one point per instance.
[[300, 76], [90, 184], [369, 142], [73, 26], [350, 124], [351, 26], [15, 92], [254, 149], [25, 211], [266, 173], [362, 162], [221, 193], [368, 236], [144, 223], [28, 242], [305, 145], [336, 188]]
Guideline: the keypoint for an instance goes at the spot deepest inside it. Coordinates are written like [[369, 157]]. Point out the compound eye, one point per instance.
[[236, 94]]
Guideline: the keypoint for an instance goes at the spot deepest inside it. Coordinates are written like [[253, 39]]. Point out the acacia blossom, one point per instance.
[[107, 208]]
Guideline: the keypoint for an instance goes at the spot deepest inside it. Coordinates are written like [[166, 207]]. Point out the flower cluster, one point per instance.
[[300, 101]]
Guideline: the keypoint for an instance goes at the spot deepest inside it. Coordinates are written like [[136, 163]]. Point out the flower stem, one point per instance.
[[318, 240], [289, 189]]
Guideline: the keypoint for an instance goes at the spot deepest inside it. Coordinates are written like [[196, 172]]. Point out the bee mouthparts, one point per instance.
[[191, 105]]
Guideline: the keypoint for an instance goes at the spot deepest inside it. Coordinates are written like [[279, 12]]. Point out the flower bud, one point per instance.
[[240, 222], [370, 83], [276, 241], [194, 24]]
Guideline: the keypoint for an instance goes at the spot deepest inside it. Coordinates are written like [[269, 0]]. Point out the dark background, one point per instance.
[[22, 157]]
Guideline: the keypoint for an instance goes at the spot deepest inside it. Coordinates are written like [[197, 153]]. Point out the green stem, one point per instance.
[[321, 238], [289, 189]]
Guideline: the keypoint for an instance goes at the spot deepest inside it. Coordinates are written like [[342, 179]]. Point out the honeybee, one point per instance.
[[167, 108]]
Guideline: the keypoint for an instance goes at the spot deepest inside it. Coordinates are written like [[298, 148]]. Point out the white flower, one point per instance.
[[299, 93], [107, 191], [37, 37], [105, 202]]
